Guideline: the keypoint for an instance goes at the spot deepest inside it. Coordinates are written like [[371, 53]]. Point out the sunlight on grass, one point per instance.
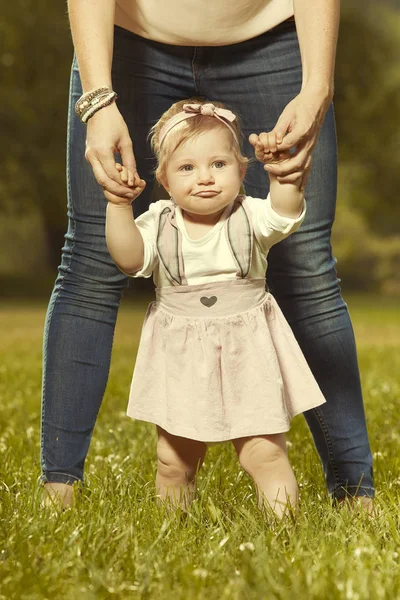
[[119, 543]]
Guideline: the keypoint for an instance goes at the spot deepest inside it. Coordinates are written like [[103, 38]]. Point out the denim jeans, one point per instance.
[[256, 79]]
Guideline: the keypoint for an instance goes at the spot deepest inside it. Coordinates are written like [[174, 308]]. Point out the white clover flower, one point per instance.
[[378, 455], [246, 546], [202, 573]]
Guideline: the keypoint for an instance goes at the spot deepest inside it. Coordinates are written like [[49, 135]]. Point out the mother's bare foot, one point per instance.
[[359, 502], [58, 495]]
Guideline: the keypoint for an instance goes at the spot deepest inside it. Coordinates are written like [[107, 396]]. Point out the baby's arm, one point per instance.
[[123, 237], [287, 199]]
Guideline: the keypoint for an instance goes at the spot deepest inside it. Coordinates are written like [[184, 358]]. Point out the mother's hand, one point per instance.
[[297, 131], [107, 133]]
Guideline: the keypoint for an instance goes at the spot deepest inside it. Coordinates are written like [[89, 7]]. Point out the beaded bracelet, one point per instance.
[[97, 105], [92, 101], [85, 100]]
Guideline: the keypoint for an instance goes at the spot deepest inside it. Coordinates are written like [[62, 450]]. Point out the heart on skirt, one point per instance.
[[208, 301]]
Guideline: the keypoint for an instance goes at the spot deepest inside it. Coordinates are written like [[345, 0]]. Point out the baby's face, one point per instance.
[[203, 174]]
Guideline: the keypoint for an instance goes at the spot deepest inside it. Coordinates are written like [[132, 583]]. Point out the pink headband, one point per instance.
[[192, 110]]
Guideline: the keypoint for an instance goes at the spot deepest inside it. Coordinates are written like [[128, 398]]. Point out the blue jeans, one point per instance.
[[256, 79]]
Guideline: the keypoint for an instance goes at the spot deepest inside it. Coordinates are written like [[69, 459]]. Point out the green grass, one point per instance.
[[119, 543]]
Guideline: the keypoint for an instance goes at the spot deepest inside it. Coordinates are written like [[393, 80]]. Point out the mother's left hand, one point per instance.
[[297, 129]]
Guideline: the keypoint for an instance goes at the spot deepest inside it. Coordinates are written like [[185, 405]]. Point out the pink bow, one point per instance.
[[209, 110], [192, 110]]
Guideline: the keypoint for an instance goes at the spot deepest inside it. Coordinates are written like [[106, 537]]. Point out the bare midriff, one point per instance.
[[201, 22]]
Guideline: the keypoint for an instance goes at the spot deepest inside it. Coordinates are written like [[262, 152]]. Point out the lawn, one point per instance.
[[119, 543]]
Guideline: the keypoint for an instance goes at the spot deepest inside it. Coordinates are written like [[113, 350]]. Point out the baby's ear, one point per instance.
[[243, 170], [162, 180]]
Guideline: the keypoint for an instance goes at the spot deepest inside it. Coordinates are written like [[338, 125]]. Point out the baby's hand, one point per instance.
[[266, 148], [136, 184]]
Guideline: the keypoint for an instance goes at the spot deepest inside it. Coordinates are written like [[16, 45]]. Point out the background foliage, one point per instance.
[[35, 57]]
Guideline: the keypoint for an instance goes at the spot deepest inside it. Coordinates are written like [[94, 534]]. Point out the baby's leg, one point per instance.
[[178, 462], [265, 459]]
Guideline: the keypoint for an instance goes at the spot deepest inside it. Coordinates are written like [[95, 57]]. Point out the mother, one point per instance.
[[272, 62]]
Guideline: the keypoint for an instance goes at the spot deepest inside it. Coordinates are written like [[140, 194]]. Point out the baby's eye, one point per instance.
[[186, 168], [219, 164]]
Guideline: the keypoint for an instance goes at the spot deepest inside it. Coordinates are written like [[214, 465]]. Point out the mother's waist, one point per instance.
[[190, 22]]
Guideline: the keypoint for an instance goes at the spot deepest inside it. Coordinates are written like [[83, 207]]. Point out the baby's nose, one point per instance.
[[205, 176]]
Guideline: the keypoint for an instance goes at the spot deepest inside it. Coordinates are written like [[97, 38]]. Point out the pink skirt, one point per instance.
[[218, 361]]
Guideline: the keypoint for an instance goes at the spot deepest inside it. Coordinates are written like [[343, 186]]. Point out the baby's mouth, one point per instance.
[[207, 193]]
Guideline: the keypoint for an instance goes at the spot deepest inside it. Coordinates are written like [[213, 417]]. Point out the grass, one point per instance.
[[118, 543]]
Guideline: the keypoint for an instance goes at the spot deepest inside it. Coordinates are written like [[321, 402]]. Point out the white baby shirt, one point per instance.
[[209, 258]]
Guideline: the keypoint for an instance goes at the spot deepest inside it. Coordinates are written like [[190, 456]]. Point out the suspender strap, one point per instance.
[[239, 234], [169, 247]]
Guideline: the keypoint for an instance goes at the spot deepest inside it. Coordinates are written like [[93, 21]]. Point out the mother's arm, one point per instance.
[[317, 23], [92, 27]]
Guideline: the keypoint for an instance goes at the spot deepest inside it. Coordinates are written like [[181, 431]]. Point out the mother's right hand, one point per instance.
[[108, 133]]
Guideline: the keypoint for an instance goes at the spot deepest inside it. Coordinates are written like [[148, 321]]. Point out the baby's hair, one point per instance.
[[187, 129]]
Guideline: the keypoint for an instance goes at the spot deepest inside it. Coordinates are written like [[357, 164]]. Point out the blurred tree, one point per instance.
[[35, 57], [367, 103]]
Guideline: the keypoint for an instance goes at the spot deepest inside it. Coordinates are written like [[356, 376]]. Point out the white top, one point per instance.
[[209, 258], [201, 23]]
